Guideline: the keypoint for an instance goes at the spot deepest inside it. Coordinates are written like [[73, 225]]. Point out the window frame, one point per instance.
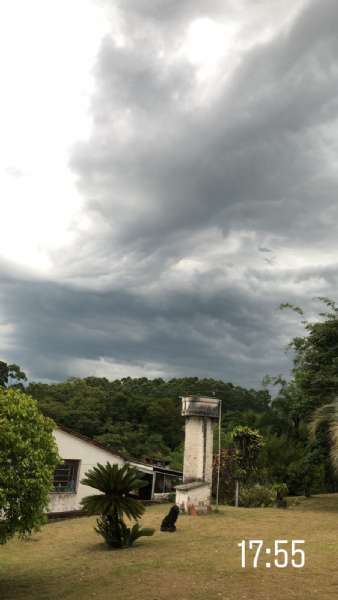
[[71, 482]]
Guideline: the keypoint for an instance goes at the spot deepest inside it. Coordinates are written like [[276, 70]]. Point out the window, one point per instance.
[[65, 476], [165, 483]]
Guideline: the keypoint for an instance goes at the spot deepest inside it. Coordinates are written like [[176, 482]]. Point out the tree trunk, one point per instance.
[[237, 493]]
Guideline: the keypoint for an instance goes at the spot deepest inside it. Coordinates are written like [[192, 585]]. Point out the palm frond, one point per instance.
[[334, 445], [118, 486], [323, 415], [113, 479], [137, 532], [327, 415]]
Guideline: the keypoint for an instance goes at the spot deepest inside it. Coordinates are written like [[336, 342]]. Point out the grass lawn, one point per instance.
[[200, 561]]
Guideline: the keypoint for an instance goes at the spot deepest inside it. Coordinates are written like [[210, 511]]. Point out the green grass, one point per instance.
[[201, 561]]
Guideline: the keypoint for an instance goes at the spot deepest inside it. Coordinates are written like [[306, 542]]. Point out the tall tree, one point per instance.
[[310, 395], [247, 443], [315, 368], [28, 456]]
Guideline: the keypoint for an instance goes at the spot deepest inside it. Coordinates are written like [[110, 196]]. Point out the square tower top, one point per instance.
[[200, 406]]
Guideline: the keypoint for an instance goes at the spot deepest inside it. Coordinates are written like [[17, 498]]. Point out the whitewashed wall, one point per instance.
[[73, 448], [199, 497], [198, 449]]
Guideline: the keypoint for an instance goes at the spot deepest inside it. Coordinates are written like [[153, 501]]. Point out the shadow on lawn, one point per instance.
[[95, 548], [23, 586], [101, 547], [322, 503]]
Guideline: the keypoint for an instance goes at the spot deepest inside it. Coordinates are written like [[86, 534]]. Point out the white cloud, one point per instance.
[[47, 52]]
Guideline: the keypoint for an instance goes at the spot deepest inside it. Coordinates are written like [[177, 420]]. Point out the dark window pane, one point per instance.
[[65, 476]]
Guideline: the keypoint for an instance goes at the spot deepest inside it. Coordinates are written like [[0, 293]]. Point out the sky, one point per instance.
[[168, 177]]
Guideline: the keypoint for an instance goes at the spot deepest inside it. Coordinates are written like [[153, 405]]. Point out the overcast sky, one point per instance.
[[168, 178]]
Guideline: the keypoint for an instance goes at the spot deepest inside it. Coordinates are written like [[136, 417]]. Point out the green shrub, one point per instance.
[[118, 535], [256, 496]]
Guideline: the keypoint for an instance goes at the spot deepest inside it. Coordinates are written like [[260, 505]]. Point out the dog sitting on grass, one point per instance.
[[168, 523]]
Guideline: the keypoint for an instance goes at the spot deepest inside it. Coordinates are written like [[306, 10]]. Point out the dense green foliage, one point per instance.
[[28, 456], [316, 360], [247, 443], [139, 417], [117, 498], [316, 383], [258, 495], [304, 401]]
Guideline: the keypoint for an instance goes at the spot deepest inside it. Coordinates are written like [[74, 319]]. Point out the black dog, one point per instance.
[[168, 523]]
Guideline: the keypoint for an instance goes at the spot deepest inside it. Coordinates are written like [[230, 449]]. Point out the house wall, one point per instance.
[[73, 448]]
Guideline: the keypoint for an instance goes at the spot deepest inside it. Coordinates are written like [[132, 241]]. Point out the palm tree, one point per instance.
[[118, 487], [327, 415]]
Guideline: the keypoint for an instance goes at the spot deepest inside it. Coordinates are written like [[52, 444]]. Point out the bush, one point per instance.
[[118, 535], [256, 496], [263, 495]]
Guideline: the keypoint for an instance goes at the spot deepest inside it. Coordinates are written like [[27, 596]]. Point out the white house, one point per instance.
[[79, 454]]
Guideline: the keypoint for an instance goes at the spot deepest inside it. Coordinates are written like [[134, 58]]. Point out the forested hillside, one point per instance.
[[141, 418]]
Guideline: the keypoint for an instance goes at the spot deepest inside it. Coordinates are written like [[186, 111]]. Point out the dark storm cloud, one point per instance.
[[207, 209], [58, 325]]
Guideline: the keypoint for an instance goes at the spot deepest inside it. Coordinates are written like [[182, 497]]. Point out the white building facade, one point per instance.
[[80, 454]]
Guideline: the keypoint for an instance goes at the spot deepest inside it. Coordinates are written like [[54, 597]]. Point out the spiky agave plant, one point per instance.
[[118, 487], [327, 415]]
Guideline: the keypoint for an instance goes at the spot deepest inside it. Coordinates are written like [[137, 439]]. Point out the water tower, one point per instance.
[[201, 414]]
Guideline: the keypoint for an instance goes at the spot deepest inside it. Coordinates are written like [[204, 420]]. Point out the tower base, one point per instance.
[[194, 497]]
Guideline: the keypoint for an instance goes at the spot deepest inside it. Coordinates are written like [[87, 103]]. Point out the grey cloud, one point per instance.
[[217, 184], [242, 163], [58, 324]]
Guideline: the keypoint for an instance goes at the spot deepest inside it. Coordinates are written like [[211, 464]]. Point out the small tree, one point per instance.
[[28, 456], [227, 461], [118, 487], [247, 443]]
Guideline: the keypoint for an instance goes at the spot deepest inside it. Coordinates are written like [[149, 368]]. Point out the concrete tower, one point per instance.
[[200, 416]]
